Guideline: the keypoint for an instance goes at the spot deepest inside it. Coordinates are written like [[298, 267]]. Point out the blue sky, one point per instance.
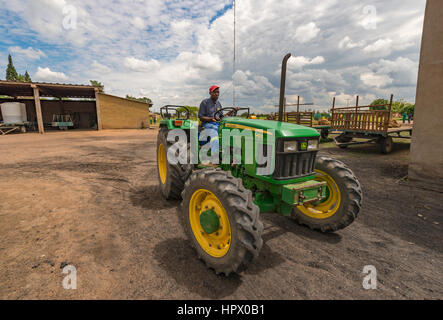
[[172, 51]]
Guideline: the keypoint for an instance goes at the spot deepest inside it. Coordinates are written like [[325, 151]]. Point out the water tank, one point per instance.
[[13, 112]]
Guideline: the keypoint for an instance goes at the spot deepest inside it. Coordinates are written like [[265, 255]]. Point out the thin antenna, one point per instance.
[[233, 64]]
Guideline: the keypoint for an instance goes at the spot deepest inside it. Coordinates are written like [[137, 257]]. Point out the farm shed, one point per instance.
[[426, 160], [91, 108]]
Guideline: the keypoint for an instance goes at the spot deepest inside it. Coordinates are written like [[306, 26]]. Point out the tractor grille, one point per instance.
[[291, 165]]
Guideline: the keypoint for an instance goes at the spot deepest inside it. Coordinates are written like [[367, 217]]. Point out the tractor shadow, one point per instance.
[[285, 224], [150, 197], [180, 261]]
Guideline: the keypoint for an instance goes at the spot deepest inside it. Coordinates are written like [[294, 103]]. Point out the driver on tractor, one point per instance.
[[208, 109]]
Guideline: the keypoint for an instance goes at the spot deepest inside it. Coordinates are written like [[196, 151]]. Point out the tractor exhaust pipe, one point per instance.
[[282, 86]]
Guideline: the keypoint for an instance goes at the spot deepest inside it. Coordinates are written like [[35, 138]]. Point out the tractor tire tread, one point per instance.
[[353, 202], [246, 218], [179, 173]]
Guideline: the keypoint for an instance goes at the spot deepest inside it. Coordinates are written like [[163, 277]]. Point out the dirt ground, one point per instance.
[[90, 199]]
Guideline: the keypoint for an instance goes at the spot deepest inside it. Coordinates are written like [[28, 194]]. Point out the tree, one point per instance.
[[379, 102], [317, 115], [11, 73], [27, 77], [143, 99], [97, 84]]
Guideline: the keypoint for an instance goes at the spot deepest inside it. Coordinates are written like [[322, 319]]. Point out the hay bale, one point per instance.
[[324, 122], [394, 124]]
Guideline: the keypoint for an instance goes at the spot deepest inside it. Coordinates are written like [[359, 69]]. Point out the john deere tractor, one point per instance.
[[221, 204]]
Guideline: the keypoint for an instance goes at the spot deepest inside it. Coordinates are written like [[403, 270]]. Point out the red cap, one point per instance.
[[213, 88]]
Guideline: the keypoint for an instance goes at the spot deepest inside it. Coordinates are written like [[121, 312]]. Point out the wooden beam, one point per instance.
[[38, 109], [97, 108]]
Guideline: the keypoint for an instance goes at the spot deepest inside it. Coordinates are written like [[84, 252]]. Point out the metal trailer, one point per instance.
[[305, 118], [62, 121], [6, 128], [363, 122]]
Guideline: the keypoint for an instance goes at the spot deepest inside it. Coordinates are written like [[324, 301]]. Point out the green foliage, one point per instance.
[[409, 108], [326, 115], [27, 77], [97, 84], [11, 73], [379, 102], [401, 106], [143, 99]]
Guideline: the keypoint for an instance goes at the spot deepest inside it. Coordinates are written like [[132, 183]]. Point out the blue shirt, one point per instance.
[[208, 107]]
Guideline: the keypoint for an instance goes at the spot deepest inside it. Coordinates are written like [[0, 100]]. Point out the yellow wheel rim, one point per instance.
[[326, 208], [162, 165], [216, 244]]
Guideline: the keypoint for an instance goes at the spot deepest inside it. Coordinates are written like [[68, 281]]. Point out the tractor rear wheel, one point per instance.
[[171, 177], [343, 202], [221, 220]]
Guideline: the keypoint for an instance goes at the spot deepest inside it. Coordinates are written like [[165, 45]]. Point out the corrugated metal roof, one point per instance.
[[15, 89]]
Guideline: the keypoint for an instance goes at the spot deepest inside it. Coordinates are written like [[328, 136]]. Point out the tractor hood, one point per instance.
[[282, 129]]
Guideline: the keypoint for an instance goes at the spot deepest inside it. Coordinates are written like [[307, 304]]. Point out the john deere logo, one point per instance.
[[304, 146]]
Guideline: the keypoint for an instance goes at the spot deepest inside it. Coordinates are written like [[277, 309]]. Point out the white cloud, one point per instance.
[[100, 68], [381, 47], [184, 53], [347, 43], [139, 23], [31, 53], [182, 27], [375, 80], [402, 71], [45, 74], [306, 32], [138, 65], [300, 62]]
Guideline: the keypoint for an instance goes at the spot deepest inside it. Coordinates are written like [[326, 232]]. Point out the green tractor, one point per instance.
[[221, 204]]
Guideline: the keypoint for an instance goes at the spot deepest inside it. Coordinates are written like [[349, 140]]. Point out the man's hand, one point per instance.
[[232, 111]]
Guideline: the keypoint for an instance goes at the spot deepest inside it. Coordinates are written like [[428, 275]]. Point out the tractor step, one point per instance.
[[305, 192]]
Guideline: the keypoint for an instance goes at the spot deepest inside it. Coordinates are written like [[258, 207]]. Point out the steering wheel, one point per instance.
[[218, 115]]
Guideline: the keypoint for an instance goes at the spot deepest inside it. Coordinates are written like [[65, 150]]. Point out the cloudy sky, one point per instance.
[[172, 51]]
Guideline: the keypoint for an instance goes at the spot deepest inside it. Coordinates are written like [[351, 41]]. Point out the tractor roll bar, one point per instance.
[[174, 108]]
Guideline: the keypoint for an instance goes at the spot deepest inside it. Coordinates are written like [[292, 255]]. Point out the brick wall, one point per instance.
[[120, 113]]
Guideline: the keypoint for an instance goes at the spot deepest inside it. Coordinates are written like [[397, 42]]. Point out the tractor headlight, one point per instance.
[[312, 145], [290, 146]]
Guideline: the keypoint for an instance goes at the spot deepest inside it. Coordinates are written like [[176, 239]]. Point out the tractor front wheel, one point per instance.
[[221, 220], [343, 202]]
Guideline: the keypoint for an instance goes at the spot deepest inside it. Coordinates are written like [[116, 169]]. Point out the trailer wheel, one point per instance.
[[342, 138], [171, 177], [324, 133], [221, 220], [386, 144], [343, 202]]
